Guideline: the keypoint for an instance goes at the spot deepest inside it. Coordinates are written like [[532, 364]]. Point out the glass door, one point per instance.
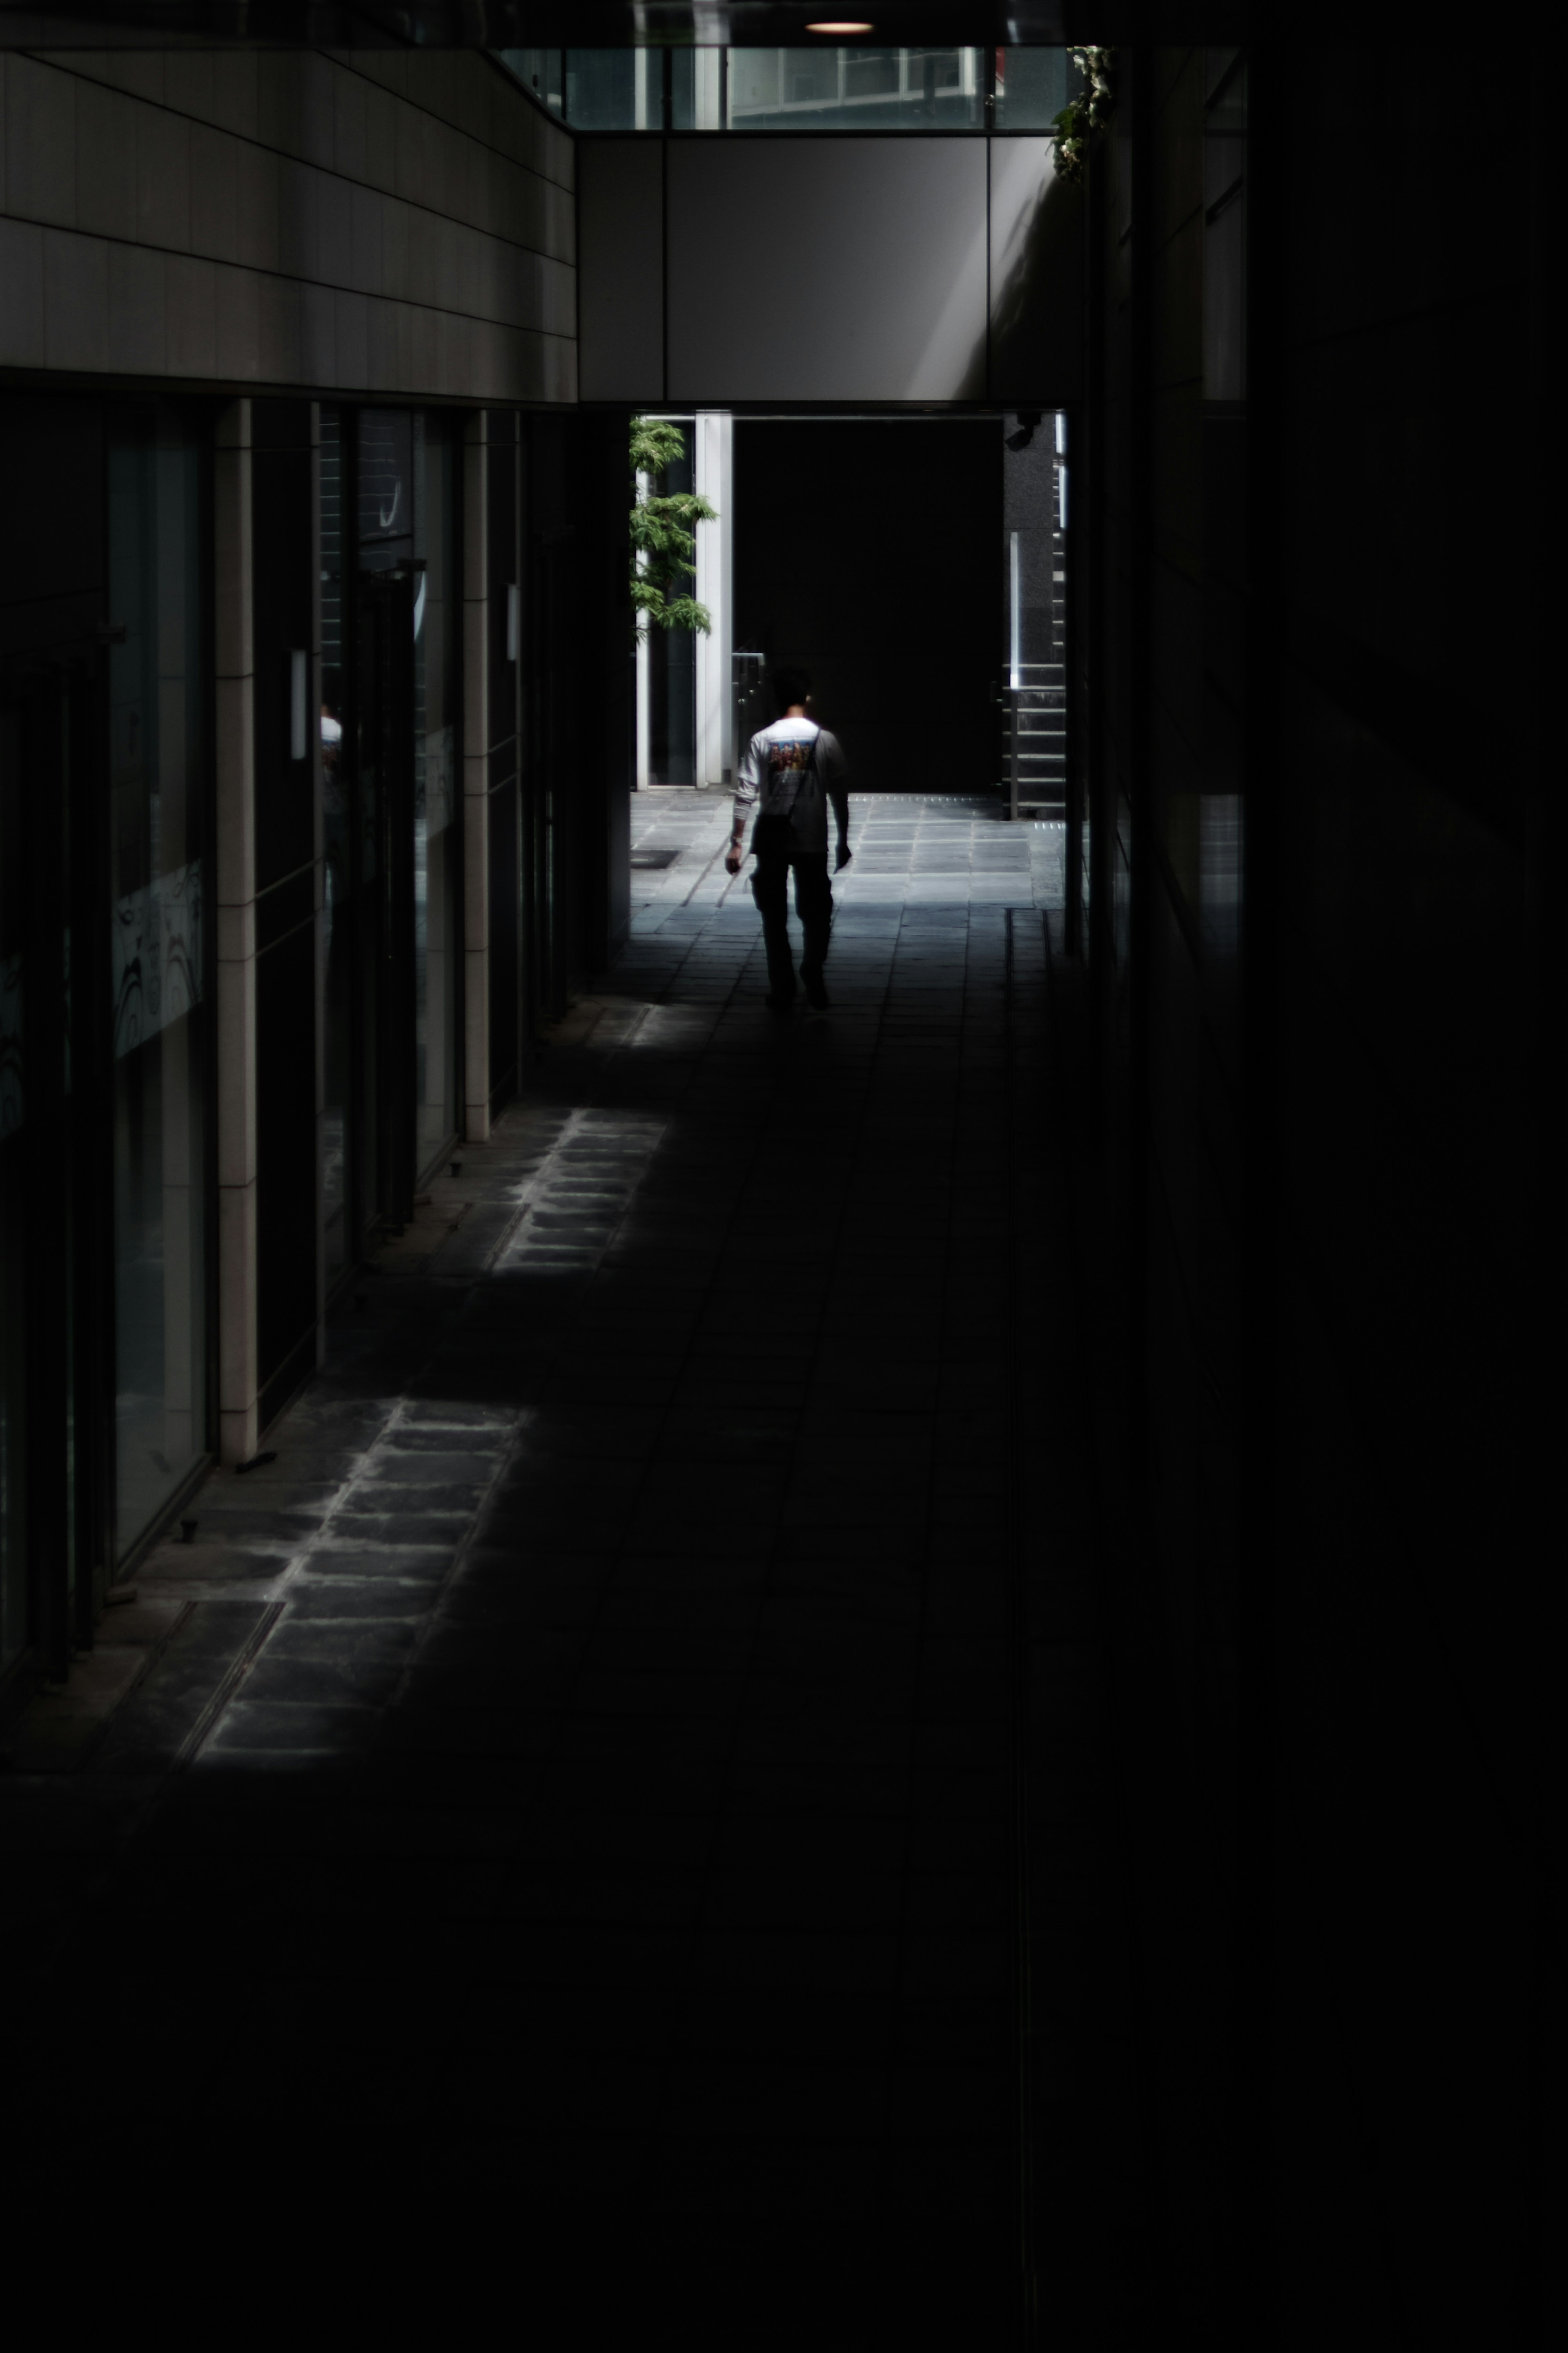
[[158, 792], [339, 877], [385, 704], [47, 710], [438, 795], [401, 711]]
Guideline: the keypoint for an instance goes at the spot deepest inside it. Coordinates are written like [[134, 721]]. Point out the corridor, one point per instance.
[[633, 1759]]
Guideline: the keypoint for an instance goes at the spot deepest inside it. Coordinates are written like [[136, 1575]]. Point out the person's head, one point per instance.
[[790, 686]]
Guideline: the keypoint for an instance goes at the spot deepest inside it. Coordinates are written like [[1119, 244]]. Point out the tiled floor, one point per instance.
[[633, 1768]]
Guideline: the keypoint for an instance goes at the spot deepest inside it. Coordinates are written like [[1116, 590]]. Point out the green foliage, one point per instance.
[[664, 538], [1087, 112]]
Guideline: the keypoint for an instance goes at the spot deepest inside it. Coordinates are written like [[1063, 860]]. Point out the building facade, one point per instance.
[[319, 713], [310, 685]]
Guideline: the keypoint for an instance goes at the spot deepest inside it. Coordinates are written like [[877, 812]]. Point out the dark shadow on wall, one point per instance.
[[1036, 275], [871, 553]]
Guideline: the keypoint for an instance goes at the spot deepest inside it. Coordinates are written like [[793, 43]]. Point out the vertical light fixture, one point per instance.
[[298, 686], [513, 620], [1013, 613]]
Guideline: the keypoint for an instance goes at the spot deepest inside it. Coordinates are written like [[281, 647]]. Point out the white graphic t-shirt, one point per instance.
[[789, 770]]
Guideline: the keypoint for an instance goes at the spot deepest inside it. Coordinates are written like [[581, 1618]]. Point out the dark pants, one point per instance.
[[813, 905]]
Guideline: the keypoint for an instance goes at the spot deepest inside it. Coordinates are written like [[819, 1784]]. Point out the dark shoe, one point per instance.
[[779, 1004], [815, 992]]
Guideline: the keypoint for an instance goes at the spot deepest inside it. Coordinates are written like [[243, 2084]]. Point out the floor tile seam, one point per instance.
[[483, 1514], [298, 1567], [579, 1671], [522, 1196], [646, 2181], [325, 1534], [666, 1410], [1120, 1900], [1019, 1659], [572, 1133], [923, 1633], [142, 1817], [716, 853]]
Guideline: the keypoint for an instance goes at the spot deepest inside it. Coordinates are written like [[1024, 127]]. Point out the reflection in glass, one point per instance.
[[1219, 872], [337, 884], [384, 531], [1033, 86], [407, 788], [857, 88], [436, 878], [13, 1195], [614, 89], [816, 89], [156, 796], [542, 73], [385, 488]]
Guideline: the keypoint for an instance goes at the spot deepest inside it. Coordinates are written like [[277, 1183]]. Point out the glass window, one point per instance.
[[541, 72], [157, 804], [385, 488], [1033, 86], [823, 89], [614, 89], [13, 1203], [820, 88], [683, 91], [337, 881], [438, 938], [408, 697]]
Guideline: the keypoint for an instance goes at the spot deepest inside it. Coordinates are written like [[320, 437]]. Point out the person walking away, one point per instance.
[[790, 773]]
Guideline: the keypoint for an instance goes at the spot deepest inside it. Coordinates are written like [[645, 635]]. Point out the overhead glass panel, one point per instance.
[[337, 847], [157, 791], [1032, 88], [614, 89], [542, 72], [823, 89], [437, 867]]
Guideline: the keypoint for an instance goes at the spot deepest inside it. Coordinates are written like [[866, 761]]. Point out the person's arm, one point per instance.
[[835, 777], [748, 781]]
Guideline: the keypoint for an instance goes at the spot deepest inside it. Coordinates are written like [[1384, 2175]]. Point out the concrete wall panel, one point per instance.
[[620, 218], [848, 269], [1037, 277], [267, 222]]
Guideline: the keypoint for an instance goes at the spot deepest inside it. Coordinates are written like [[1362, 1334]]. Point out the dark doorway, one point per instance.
[[385, 709], [867, 551], [283, 467]]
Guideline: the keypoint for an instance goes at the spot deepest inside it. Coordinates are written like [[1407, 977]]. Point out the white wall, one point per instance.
[[714, 474], [923, 269]]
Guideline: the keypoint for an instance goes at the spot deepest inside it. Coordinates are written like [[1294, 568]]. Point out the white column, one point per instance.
[[319, 852], [714, 435], [234, 687], [644, 681], [707, 88], [476, 780]]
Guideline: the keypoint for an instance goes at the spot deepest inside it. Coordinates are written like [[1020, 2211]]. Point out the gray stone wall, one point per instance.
[[375, 224]]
